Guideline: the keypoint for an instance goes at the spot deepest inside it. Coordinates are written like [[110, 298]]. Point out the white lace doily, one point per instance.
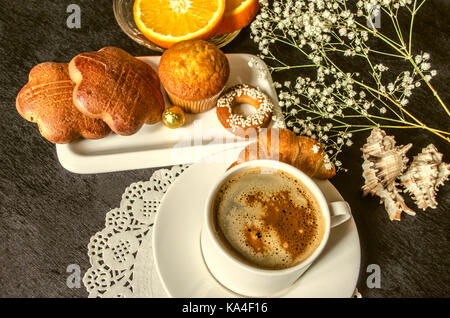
[[122, 250]]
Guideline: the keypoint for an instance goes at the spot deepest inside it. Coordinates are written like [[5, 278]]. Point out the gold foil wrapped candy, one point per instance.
[[173, 117]]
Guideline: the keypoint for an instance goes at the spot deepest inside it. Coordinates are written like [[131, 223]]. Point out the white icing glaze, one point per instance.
[[256, 119]]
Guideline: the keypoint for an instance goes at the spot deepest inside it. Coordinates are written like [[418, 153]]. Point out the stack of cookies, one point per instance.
[[111, 91], [94, 94]]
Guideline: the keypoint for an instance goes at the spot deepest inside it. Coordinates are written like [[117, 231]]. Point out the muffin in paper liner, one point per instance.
[[194, 74], [195, 106]]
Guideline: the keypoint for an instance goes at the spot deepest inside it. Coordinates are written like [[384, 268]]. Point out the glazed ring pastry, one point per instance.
[[241, 125]]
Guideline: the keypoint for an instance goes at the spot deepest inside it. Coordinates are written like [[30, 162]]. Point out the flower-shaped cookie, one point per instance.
[[115, 86], [47, 99]]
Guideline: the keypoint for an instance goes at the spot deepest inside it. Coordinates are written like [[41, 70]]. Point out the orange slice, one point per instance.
[[166, 22], [238, 14]]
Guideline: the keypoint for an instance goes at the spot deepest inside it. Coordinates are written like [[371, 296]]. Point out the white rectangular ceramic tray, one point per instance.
[[158, 146]]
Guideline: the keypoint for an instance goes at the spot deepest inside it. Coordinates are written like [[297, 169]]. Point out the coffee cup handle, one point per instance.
[[339, 212]]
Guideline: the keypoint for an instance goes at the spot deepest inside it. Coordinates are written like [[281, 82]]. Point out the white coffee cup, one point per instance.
[[253, 281]]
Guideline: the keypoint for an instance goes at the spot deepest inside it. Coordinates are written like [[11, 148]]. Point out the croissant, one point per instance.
[[283, 145]]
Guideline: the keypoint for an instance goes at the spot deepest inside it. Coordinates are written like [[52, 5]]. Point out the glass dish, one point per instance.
[[123, 12]]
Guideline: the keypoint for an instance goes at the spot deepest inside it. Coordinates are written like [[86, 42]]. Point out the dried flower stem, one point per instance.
[[337, 101], [437, 132], [404, 51]]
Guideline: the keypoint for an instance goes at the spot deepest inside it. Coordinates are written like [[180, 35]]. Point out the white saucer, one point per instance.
[[178, 257]]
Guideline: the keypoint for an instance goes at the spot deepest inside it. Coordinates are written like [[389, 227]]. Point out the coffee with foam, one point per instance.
[[268, 219]]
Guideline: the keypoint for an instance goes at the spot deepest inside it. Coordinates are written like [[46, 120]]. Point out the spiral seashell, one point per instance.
[[383, 163], [425, 174]]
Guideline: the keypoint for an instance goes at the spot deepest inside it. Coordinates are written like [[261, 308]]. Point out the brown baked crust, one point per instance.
[[194, 70], [283, 145], [244, 94], [47, 100], [118, 88]]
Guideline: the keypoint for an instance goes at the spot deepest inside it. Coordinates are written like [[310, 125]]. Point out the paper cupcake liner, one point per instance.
[[195, 106]]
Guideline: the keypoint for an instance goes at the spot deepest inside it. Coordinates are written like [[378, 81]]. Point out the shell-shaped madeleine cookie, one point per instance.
[[118, 88], [47, 99]]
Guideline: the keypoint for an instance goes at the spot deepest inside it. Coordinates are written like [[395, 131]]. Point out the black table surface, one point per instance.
[[47, 214]]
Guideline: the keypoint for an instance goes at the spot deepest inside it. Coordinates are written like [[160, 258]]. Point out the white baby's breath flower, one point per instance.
[[324, 31], [418, 59], [315, 148], [342, 31], [390, 87], [425, 66]]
